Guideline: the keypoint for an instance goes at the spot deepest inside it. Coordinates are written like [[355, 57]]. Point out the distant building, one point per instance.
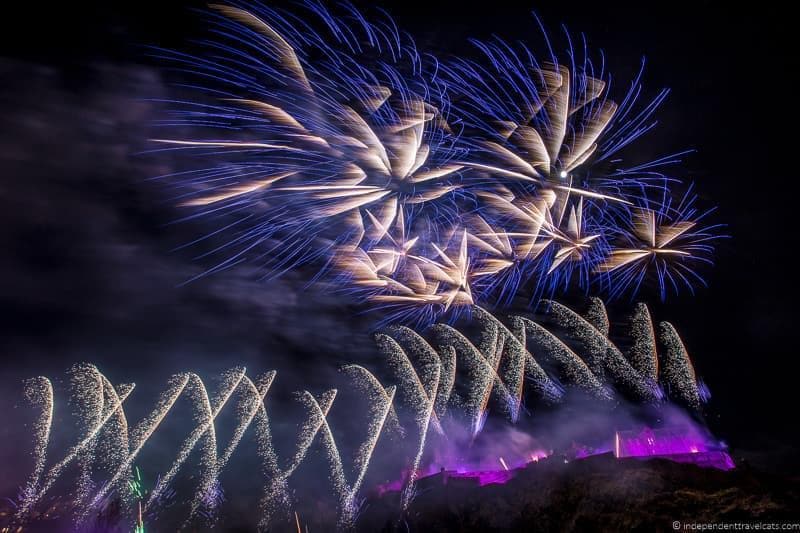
[[673, 443]]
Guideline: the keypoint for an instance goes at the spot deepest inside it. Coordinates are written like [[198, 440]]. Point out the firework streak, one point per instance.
[[422, 186], [441, 380]]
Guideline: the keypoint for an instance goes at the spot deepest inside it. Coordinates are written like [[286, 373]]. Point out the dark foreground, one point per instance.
[[599, 493], [595, 494]]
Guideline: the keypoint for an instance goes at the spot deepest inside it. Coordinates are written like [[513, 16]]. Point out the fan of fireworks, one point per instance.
[[545, 139], [331, 139], [441, 382], [319, 133]]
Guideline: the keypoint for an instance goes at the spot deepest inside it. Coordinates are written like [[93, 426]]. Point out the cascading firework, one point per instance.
[[440, 381]]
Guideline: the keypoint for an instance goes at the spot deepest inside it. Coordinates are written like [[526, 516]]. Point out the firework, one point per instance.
[[39, 392], [678, 371], [643, 355], [427, 189], [669, 242], [350, 145], [443, 380], [424, 187], [573, 367], [137, 491]]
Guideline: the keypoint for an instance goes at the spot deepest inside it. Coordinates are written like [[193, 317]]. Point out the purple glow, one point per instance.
[[685, 444], [582, 452], [482, 473], [718, 459], [666, 441], [497, 477], [682, 445]]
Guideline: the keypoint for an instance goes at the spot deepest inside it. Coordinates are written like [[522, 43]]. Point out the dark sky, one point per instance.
[[86, 271]]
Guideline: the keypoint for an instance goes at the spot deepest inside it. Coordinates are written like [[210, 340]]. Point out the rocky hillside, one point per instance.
[[599, 493]]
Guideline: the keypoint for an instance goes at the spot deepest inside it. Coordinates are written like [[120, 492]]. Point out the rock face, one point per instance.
[[598, 493]]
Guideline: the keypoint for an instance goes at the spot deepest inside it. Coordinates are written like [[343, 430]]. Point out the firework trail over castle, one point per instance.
[[442, 384], [438, 193]]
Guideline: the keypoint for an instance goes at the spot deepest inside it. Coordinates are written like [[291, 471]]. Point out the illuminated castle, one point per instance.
[[675, 444]]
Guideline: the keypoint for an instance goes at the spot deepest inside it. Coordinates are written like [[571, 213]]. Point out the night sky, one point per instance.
[[88, 271]]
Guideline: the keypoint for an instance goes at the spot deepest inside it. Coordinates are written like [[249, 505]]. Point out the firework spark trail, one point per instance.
[[39, 392], [447, 358], [597, 316], [489, 340], [114, 448], [337, 475], [500, 388], [490, 346], [309, 430], [426, 357], [233, 380], [482, 373], [669, 240], [245, 414], [381, 405], [144, 429], [316, 422], [74, 452], [346, 494], [543, 120], [425, 388], [369, 384], [573, 367], [421, 388], [436, 367], [604, 357], [422, 400], [275, 492], [363, 145], [423, 403], [677, 369], [91, 409], [116, 451], [514, 364], [527, 365], [424, 423], [205, 430], [643, 354]]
